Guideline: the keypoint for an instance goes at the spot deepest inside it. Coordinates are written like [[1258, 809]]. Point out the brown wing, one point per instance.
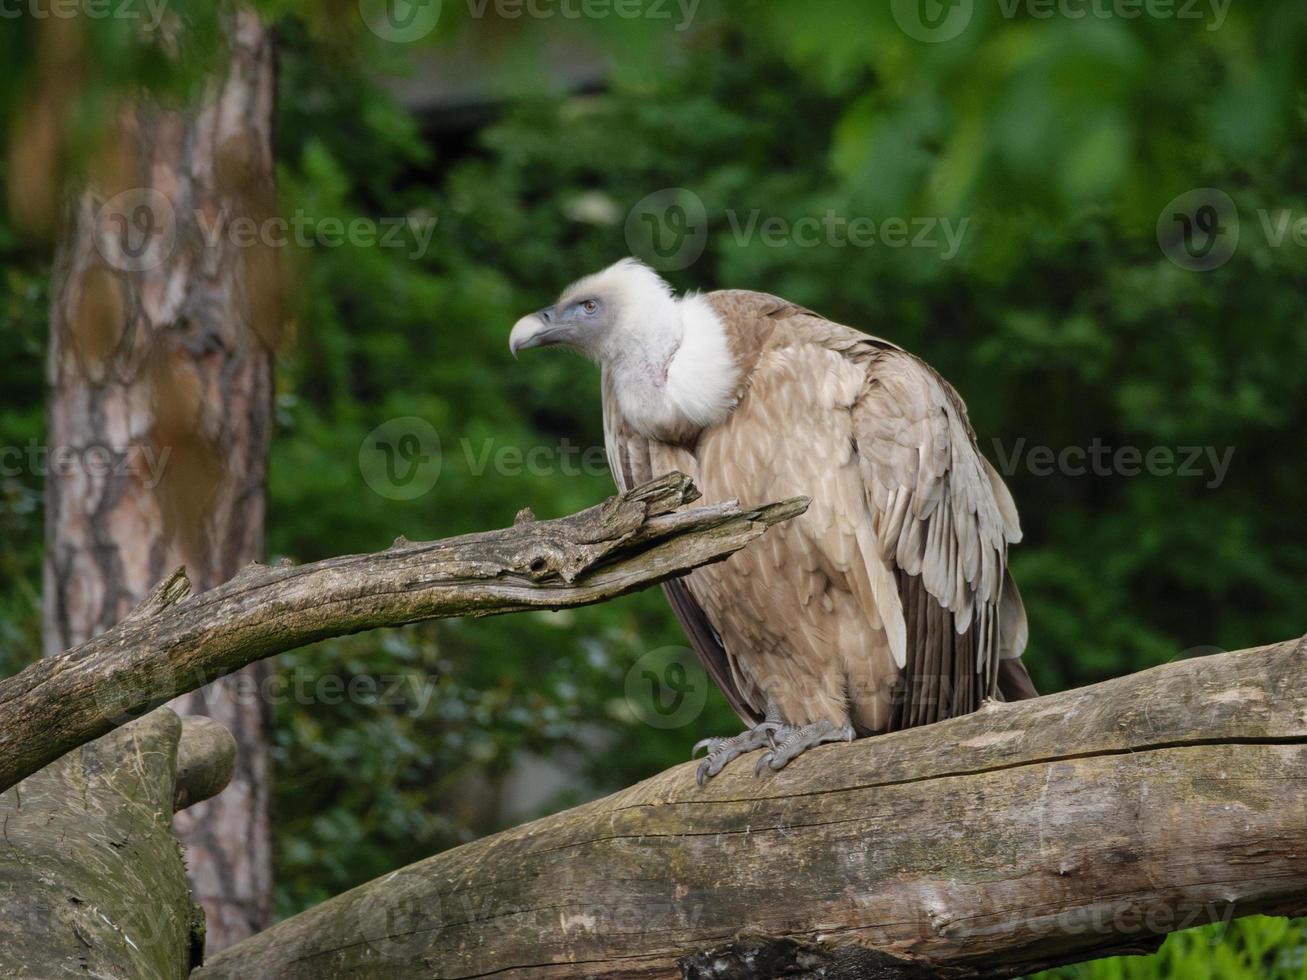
[[943, 520], [942, 516], [628, 458]]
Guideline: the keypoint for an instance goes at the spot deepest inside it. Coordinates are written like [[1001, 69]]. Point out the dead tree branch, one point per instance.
[[206, 760], [175, 642], [1065, 828]]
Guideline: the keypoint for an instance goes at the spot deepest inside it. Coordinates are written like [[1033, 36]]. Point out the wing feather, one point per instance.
[[945, 521]]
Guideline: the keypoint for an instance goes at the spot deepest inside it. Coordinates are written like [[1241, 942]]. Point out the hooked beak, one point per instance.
[[538, 329]]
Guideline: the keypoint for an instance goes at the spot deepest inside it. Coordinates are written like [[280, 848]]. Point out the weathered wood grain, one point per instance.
[[175, 642], [1025, 835], [92, 882]]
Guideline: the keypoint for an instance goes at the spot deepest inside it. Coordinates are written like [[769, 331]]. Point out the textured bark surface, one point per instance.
[[1068, 827], [206, 761], [175, 642], [91, 878], [160, 377]]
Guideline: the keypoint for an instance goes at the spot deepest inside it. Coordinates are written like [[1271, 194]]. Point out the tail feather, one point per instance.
[[1014, 682]]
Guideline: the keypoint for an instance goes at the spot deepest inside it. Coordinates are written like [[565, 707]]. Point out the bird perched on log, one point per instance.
[[889, 603]]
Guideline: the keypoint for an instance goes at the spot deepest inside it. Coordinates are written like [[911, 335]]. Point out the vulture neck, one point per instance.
[[673, 373]]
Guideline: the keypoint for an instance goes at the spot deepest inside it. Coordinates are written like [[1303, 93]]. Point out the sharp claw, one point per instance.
[[722, 750], [765, 760], [702, 773]]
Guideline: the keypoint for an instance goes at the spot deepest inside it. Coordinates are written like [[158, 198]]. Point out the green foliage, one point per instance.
[[1255, 948], [24, 311], [1056, 144]]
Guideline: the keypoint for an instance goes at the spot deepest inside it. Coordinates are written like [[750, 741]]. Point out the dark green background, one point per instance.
[[1060, 141]]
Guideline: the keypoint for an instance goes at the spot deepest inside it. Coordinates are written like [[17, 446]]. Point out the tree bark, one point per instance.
[[160, 375], [174, 642], [1026, 835], [206, 761], [92, 882]]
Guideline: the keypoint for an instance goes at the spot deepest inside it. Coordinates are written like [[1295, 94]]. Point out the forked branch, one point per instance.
[[175, 642]]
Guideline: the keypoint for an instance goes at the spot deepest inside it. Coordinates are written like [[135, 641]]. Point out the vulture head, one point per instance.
[[602, 314], [665, 357]]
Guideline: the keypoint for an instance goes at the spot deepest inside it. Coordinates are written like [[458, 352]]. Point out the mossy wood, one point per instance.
[[1069, 827], [92, 882]]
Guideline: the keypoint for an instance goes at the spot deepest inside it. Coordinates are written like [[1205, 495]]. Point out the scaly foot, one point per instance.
[[791, 742], [723, 750]]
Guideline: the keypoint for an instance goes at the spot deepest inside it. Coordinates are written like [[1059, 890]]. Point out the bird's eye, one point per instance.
[[589, 306]]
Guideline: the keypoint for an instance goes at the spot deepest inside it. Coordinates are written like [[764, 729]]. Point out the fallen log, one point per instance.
[[92, 882], [1073, 826], [175, 642]]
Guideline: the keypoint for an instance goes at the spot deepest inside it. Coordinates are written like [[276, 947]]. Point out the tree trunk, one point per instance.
[[160, 372], [1064, 828], [92, 882]]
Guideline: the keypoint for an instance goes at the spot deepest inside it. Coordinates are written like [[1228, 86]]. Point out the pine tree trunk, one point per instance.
[[160, 370]]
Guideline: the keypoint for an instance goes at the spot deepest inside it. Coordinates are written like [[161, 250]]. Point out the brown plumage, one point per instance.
[[888, 604]]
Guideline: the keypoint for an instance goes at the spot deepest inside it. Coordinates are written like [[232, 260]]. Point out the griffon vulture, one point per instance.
[[888, 604]]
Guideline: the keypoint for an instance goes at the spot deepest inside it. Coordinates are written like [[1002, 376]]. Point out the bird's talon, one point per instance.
[[722, 750], [703, 743], [702, 774], [764, 761]]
